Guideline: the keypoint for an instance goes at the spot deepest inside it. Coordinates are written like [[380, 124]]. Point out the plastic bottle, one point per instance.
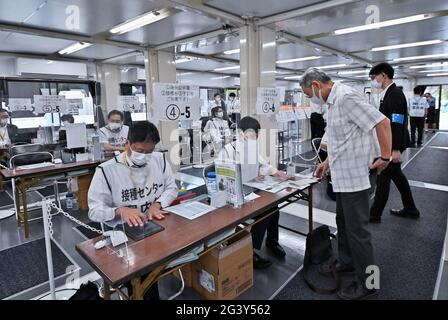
[[69, 200], [211, 183]]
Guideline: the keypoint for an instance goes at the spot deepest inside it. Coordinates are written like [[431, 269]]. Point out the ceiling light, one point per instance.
[[75, 47], [333, 66], [182, 60], [433, 65], [140, 21], [232, 51], [407, 45], [354, 72], [437, 74], [292, 77], [269, 44], [219, 78], [429, 71], [383, 24], [227, 68], [185, 73], [299, 59], [423, 57]]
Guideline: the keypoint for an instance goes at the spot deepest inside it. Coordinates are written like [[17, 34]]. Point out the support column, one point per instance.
[[160, 67], [109, 76], [257, 69]]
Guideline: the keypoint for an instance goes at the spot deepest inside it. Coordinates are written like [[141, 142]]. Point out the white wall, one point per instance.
[[7, 67], [432, 81]]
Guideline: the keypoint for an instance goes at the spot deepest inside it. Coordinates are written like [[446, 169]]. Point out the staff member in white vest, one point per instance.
[[114, 135], [418, 110], [137, 184]]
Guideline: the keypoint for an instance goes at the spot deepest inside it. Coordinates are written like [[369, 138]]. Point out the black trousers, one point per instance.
[[317, 123], [417, 124], [393, 172], [259, 229]]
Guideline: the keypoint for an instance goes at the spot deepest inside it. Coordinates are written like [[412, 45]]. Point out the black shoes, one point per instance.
[[326, 268], [261, 263], [375, 219], [356, 291], [276, 249], [406, 213]]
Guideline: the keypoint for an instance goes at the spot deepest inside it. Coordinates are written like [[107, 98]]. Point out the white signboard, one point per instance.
[[50, 104], [73, 106], [174, 102], [18, 104], [268, 101], [129, 103]]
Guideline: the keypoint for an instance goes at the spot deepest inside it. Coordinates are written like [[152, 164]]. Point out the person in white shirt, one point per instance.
[[134, 186], [354, 130], [418, 110], [217, 131], [113, 136], [234, 108], [218, 102], [245, 150]]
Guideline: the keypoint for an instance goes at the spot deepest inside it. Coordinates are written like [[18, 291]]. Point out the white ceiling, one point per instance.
[[99, 16]]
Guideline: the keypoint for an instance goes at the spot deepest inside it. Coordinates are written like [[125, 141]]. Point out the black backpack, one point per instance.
[[87, 291]]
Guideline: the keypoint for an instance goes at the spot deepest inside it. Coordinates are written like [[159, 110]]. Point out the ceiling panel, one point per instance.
[[99, 52], [354, 14], [217, 48], [412, 32], [19, 42], [182, 24], [95, 16], [259, 8], [205, 65]]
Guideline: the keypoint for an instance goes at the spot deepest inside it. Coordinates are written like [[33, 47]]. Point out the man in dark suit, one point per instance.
[[9, 134], [394, 106]]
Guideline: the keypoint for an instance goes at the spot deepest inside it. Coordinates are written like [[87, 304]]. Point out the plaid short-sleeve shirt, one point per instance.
[[351, 140]]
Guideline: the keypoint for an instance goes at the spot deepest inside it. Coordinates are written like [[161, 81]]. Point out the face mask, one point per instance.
[[114, 126], [4, 121], [317, 99], [217, 99], [220, 114], [231, 98], [138, 159], [376, 84], [65, 123]]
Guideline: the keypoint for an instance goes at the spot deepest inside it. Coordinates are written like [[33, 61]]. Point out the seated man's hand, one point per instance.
[[282, 175], [156, 212], [132, 217]]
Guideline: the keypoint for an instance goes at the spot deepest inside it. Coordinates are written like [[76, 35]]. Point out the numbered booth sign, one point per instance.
[[50, 104], [129, 103], [174, 102], [268, 101], [19, 104]]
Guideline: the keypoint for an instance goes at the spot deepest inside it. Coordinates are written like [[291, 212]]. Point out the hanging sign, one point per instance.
[[50, 104], [175, 102], [19, 104], [268, 101], [129, 103]]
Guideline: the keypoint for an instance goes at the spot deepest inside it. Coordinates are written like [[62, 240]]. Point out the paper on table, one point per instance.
[[191, 210], [251, 197], [269, 185]]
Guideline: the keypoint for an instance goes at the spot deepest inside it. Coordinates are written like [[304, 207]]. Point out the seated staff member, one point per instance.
[[217, 130], [234, 108], [65, 120], [114, 135], [137, 184], [9, 134], [249, 128]]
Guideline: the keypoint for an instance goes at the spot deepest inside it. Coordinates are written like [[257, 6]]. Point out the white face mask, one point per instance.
[[217, 99], [114, 126], [65, 123], [4, 121], [220, 114], [317, 99], [376, 84], [140, 159]]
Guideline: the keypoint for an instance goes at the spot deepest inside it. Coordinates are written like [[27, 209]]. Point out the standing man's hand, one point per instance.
[[380, 165], [322, 169], [396, 156]]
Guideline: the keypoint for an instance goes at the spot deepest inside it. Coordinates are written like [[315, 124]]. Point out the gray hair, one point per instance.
[[313, 74]]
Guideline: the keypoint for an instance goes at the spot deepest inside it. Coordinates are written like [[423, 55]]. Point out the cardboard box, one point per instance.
[[187, 274], [225, 273]]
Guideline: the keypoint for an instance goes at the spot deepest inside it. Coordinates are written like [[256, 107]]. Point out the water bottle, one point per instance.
[[69, 200], [211, 183]]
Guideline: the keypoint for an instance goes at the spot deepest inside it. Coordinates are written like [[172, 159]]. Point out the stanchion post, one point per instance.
[[48, 248]]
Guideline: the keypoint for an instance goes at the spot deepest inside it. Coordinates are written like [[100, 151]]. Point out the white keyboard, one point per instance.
[[35, 166]]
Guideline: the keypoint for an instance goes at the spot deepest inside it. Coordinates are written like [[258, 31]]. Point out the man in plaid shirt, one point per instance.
[[357, 133]]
